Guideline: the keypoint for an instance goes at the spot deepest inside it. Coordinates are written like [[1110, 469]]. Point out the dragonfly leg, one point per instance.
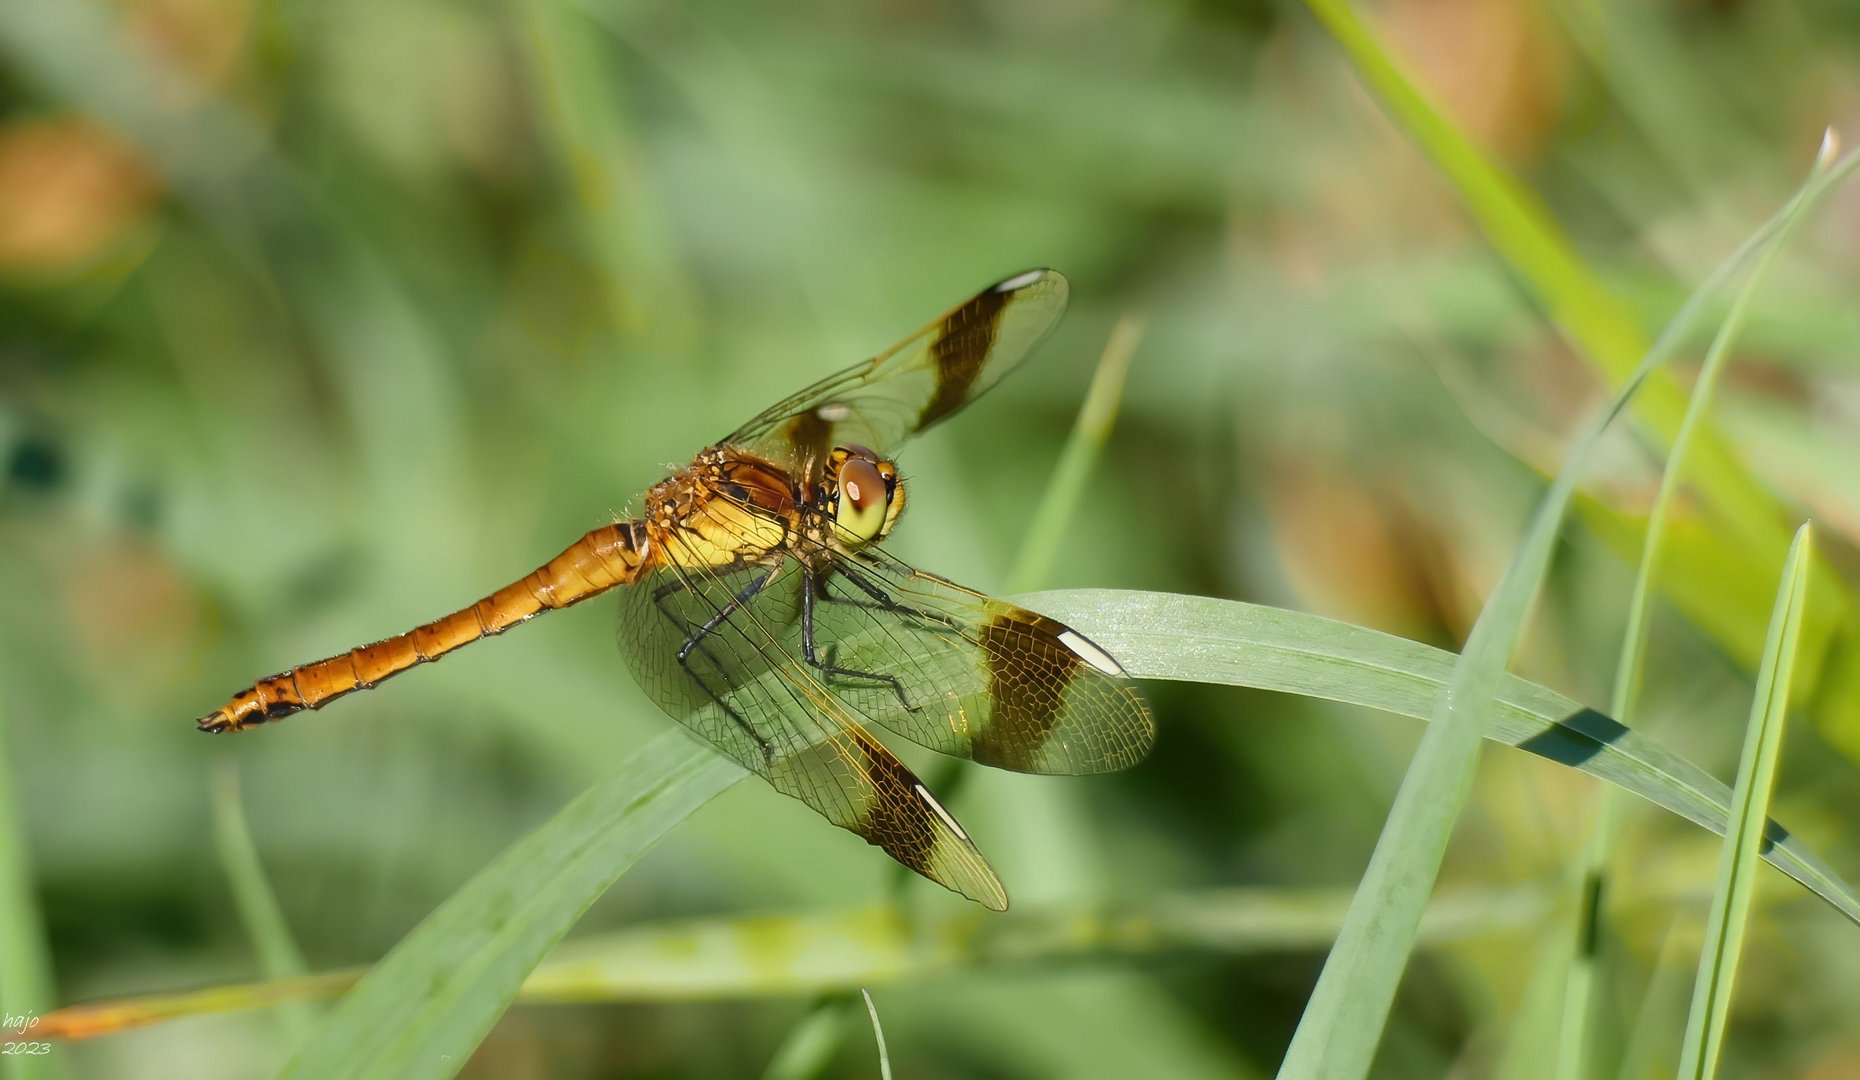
[[743, 596], [812, 655], [696, 642], [882, 601]]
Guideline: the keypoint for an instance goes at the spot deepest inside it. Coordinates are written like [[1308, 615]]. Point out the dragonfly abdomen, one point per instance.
[[604, 558]]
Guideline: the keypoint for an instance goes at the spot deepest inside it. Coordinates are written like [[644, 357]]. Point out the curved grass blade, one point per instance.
[[1203, 639], [421, 1011], [884, 1057], [1573, 1055], [1633, 648], [1756, 774], [1343, 1022]]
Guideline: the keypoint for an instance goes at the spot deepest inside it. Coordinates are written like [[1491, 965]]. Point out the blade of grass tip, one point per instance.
[[878, 1032], [278, 955], [1573, 1054], [1343, 1022], [1737, 866], [1633, 649], [422, 1010], [1089, 433], [25, 963]]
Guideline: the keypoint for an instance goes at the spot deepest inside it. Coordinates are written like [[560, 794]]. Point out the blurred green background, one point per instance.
[[321, 319]]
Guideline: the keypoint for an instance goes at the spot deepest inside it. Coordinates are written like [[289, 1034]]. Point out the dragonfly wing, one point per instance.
[[916, 383], [739, 688], [972, 676]]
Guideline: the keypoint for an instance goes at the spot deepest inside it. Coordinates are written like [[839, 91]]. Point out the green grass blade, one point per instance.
[[878, 1032], [1737, 867], [1155, 636], [1069, 480], [1343, 1022], [421, 1011], [278, 955], [25, 964], [1634, 643], [1209, 640], [1574, 1053]]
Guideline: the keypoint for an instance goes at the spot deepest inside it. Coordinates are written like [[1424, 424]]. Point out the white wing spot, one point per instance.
[[834, 411], [1020, 281], [1090, 653], [924, 792]]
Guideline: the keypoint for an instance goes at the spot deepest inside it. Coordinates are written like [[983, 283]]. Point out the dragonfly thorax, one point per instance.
[[726, 508]]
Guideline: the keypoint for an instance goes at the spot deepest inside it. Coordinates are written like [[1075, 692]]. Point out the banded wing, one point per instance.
[[743, 691], [916, 383], [972, 676]]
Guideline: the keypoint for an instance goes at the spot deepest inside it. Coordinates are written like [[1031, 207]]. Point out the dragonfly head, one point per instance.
[[863, 494]]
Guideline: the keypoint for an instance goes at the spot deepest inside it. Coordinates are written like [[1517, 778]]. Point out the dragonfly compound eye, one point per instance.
[[860, 507]]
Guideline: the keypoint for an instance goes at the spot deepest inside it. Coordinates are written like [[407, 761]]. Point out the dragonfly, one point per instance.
[[760, 610]]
